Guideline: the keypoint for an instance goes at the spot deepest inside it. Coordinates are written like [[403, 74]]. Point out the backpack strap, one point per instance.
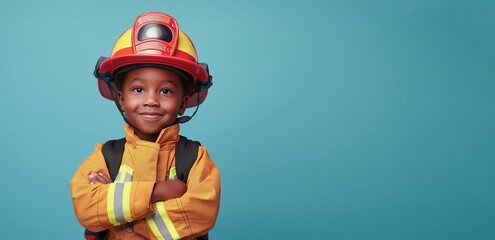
[[186, 154], [113, 151]]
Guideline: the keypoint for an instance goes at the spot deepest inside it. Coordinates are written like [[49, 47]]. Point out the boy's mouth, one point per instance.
[[150, 115]]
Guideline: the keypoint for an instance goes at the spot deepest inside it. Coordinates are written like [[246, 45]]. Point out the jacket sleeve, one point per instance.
[[195, 213], [98, 206]]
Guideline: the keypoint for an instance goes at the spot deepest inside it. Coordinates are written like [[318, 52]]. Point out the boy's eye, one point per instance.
[[166, 91], [138, 90]]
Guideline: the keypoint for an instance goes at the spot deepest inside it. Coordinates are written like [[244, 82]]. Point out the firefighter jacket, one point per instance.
[[124, 206]]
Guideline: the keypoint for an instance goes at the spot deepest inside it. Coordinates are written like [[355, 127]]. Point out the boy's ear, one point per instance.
[[183, 105], [120, 99]]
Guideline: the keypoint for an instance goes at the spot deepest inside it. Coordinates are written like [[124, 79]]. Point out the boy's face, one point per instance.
[[151, 99]]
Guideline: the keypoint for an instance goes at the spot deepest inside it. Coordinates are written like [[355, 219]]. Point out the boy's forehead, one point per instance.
[[128, 68], [152, 73]]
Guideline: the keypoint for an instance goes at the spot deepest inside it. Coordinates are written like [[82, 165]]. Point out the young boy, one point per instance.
[[153, 76]]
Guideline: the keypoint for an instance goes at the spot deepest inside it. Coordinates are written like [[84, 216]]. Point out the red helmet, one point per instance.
[[155, 39]]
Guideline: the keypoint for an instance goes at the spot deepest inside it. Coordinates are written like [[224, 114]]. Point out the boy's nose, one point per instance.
[[151, 100]]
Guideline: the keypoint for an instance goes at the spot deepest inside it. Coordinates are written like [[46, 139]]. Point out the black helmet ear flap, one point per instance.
[[200, 84], [103, 76], [205, 66]]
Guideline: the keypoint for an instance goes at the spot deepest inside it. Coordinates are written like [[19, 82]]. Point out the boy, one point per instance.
[[153, 76]]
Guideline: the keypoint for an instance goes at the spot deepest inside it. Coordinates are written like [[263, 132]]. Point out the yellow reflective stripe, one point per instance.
[[161, 225], [166, 219], [120, 175], [172, 173], [125, 174], [119, 195], [126, 206], [154, 228], [110, 208], [127, 169]]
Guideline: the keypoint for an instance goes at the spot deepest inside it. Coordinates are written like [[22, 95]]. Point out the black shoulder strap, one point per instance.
[[186, 154], [113, 151]]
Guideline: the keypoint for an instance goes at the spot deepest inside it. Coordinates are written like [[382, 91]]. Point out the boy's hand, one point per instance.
[[99, 178], [166, 190]]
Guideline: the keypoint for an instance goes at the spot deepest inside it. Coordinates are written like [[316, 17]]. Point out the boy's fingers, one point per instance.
[[99, 178], [92, 178], [105, 177]]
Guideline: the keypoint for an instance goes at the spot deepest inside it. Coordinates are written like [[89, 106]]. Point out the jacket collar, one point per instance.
[[167, 138]]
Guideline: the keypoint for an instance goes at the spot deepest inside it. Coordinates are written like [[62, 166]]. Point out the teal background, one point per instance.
[[327, 119]]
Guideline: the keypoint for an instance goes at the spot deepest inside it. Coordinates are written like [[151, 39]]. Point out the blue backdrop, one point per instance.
[[327, 119]]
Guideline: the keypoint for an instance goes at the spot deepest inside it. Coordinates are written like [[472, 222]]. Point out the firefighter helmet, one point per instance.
[[155, 38]]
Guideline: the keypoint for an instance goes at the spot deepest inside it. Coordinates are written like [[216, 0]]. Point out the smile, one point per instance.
[[150, 116]]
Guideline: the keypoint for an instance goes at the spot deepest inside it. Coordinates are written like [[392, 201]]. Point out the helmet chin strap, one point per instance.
[[198, 85], [185, 119]]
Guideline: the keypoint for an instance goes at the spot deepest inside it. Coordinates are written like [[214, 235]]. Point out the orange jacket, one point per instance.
[[113, 206]]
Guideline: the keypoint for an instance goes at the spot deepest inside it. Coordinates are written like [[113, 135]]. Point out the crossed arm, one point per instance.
[[162, 191], [193, 212]]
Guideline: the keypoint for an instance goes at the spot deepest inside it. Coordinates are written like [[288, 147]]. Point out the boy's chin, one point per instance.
[[154, 131]]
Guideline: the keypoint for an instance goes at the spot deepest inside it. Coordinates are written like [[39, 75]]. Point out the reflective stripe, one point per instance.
[[110, 212], [118, 198], [154, 228], [126, 201], [125, 171], [161, 225], [122, 195], [118, 201], [128, 177], [117, 179], [164, 217], [172, 174]]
